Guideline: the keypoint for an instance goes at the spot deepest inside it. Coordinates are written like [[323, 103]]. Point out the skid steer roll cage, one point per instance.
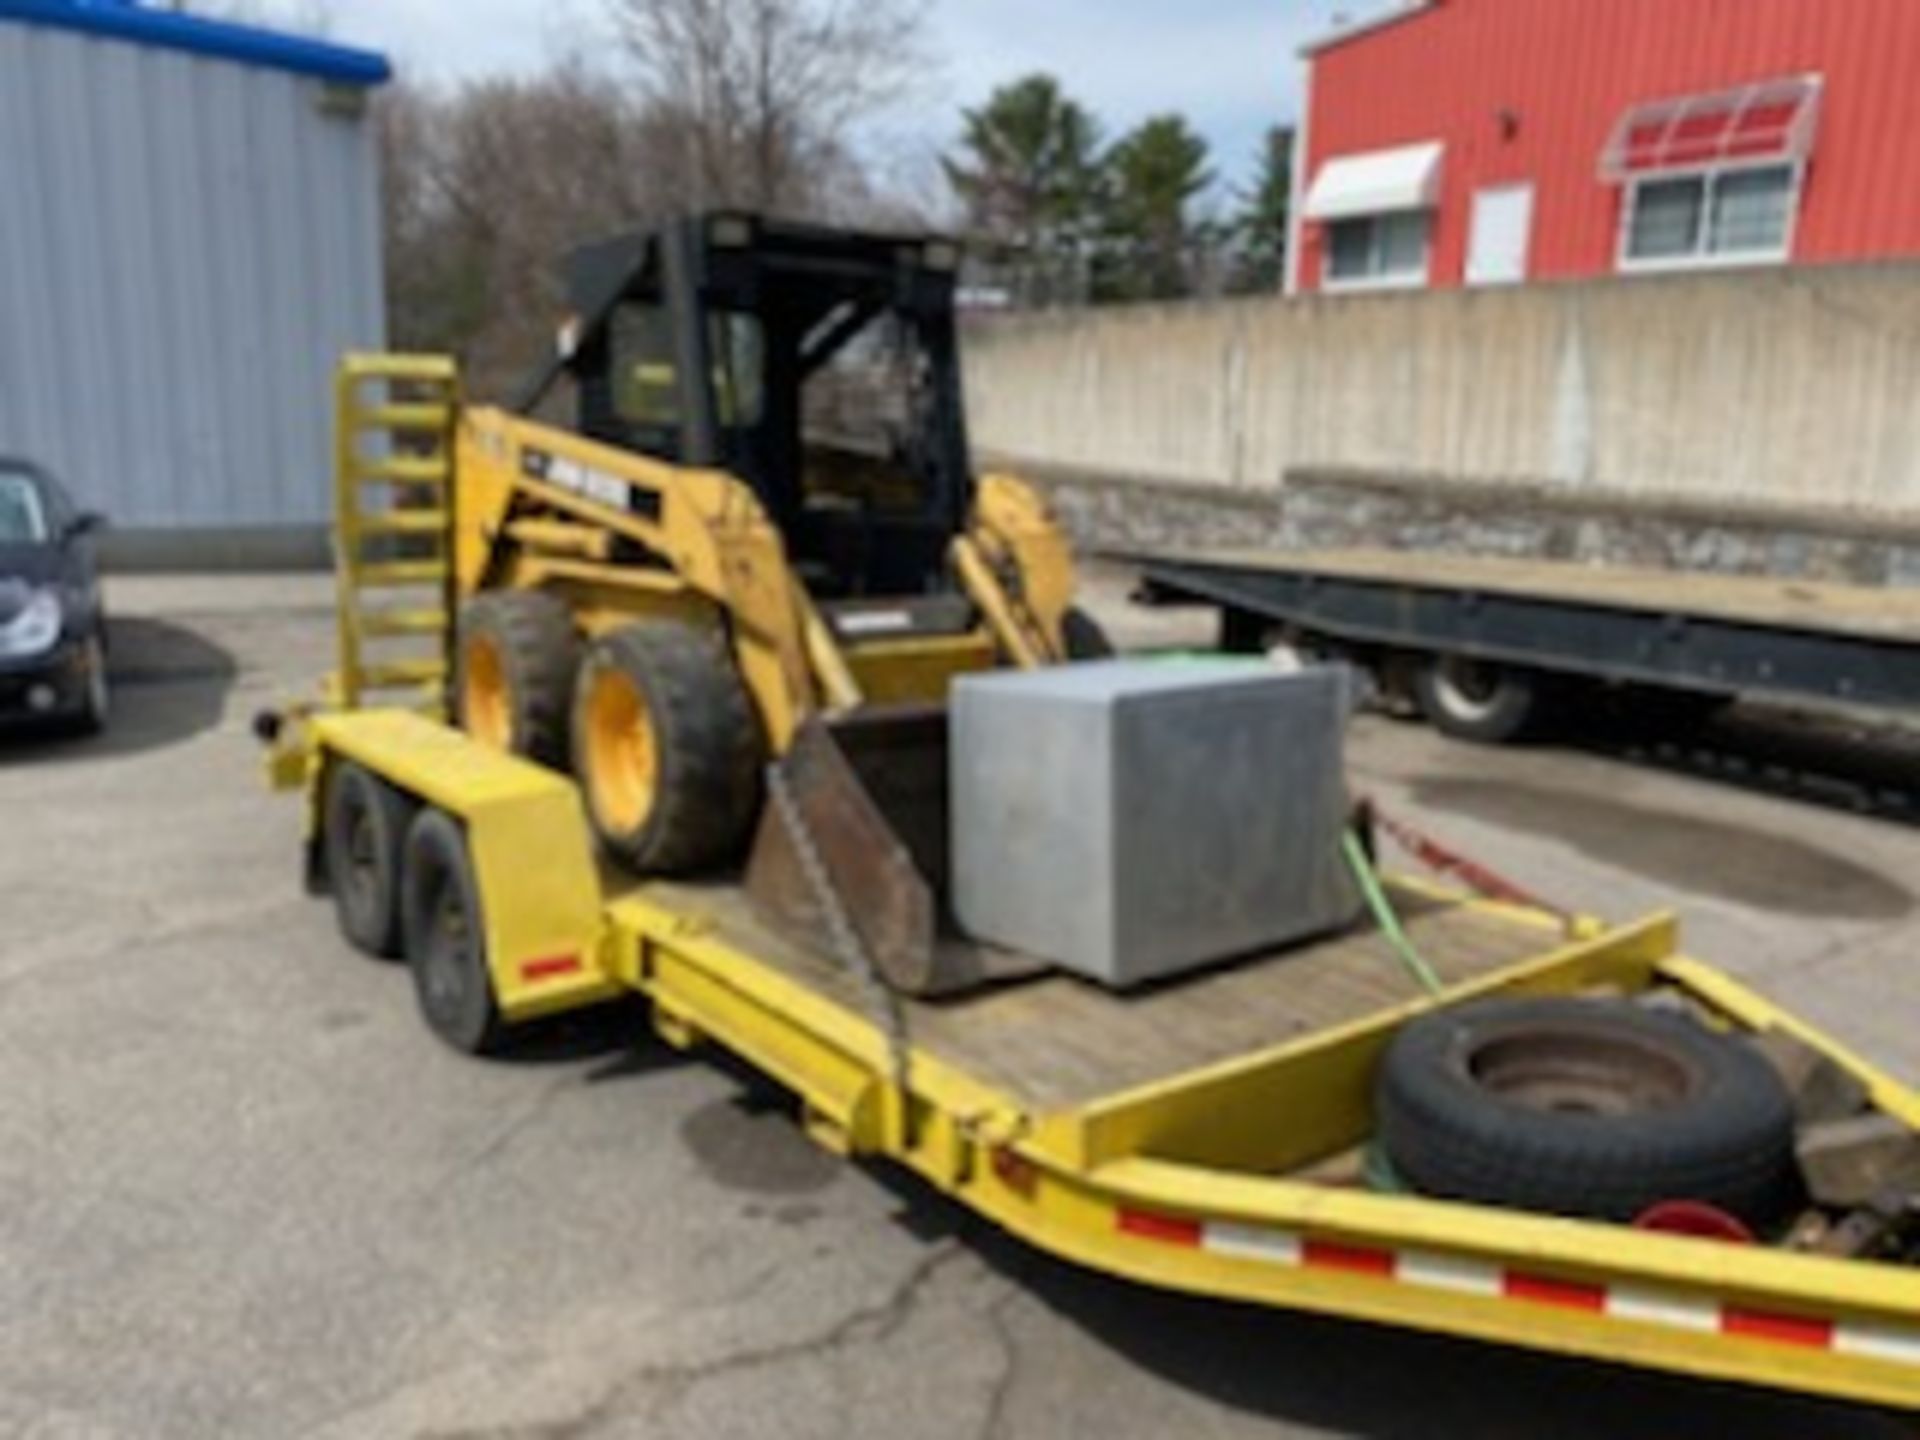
[[749, 311]]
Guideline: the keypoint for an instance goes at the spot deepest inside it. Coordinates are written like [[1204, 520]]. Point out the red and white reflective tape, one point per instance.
[[1459, 1275]]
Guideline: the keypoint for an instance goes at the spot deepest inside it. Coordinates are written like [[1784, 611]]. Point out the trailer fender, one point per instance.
[[531, 850]]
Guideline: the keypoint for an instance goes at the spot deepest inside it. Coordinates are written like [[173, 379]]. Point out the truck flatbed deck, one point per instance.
[[1693, 631], [1856, 610]]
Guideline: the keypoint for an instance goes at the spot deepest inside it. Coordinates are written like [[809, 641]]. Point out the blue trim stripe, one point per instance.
[[171, 30]]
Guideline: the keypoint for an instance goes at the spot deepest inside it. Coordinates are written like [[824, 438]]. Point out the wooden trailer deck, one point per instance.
[[1056, 1042]]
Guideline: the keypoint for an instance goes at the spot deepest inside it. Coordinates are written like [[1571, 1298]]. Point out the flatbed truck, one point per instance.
[[1489, 648]]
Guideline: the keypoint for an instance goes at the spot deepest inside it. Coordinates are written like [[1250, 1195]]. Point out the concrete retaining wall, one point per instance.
[[1766, 420]]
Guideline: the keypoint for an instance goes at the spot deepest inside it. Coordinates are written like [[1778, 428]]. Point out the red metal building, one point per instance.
[[1455, 142]]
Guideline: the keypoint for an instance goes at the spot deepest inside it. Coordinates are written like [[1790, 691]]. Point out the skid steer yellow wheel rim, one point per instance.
[[623, 753], [486, 699]]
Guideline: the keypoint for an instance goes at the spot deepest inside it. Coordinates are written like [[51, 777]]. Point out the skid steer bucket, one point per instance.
[[858, 824]]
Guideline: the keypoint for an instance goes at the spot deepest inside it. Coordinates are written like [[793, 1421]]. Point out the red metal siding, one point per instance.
[[1567, 70]]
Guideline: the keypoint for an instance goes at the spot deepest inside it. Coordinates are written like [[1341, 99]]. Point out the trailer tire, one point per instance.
[[1480, 701], [365, 824], [446, 937], [1585, 1108], [668, 748], [515, 662], [1083, 637]]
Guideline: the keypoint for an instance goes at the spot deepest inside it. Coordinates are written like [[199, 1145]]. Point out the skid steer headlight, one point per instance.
[[35, 629]]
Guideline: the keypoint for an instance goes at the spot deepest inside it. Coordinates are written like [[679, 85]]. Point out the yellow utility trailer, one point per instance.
[[1189, 1137]]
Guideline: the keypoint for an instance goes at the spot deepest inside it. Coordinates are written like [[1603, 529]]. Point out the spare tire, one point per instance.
[[1585, 1107]]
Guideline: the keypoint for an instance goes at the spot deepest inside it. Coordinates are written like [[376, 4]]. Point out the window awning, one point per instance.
[[1378, 182], [1774, 120]]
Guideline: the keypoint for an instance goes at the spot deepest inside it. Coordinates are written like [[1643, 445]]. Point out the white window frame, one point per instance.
[[1420, 279], [1627, 263]]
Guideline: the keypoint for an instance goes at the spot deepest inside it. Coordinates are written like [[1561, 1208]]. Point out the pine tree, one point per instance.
[[1027, 172]]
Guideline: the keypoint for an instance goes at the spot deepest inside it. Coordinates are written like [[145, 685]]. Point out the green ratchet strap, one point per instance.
[[1384, 916]]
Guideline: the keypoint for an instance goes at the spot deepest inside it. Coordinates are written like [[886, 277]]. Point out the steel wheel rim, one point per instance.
[[485, 697], [1470, 688], [623, 752], [362, 855], [448, 937], [1578, 1073]]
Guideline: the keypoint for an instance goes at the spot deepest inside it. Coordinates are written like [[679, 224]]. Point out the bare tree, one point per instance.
[[764, 94], [488, 187]]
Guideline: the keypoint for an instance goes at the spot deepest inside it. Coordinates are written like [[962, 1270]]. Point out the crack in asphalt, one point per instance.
[[872, 1323], [993, 1422]]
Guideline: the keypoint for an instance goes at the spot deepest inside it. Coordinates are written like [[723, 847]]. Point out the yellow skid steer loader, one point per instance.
[[759, 518]]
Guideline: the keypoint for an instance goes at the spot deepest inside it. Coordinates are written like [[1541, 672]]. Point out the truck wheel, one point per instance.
[[446, 938], [1480, 701], [668, 748], [1585, 1107], [365, 822], [1084, 637], [517, 654]]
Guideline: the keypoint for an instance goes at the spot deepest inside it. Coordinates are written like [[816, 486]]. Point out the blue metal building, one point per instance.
[[190, 238]]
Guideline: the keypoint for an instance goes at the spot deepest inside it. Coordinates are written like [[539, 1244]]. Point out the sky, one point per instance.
[[1229, 65]]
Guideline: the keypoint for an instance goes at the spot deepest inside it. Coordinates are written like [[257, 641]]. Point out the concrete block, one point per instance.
[[1821, 1089], [1133, 820], [1854, 1161]]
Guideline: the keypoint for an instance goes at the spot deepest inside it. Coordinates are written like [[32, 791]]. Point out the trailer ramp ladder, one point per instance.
[[393, 562]]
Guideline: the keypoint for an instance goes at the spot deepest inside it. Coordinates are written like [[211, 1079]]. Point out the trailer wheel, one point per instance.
[[365, 822], [1084, 637], [1585, 1107], [446, 938], [668, 748], [516, 659], [1480, 701]]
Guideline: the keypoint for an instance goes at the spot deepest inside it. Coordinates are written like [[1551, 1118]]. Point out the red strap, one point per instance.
[[1442, 861]]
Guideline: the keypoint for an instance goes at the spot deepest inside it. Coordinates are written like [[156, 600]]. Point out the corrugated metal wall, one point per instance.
[[1530, 90], [186, 246]]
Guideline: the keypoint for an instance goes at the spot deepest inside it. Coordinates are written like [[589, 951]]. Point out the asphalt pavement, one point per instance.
[[243, 1193]]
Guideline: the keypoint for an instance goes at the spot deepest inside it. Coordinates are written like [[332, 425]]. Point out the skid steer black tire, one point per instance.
[[673, 689], [1085, 638], [530, 637], [1585, 1108], [364, 831], [446, 937]]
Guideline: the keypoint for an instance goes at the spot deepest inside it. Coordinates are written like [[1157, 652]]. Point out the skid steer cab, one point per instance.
[[734, 504]]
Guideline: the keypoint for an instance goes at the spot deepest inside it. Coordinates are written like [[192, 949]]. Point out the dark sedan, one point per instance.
[[53, 639]]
